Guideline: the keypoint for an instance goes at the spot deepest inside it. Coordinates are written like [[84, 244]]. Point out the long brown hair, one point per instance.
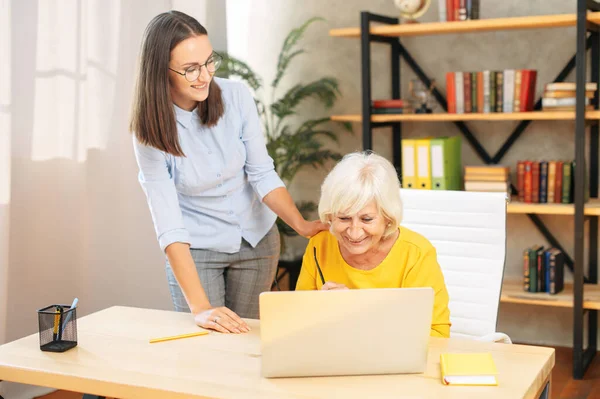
[[153, 117]]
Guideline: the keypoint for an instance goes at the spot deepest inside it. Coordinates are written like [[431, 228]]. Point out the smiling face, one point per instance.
[[360, 233], [195, 50]]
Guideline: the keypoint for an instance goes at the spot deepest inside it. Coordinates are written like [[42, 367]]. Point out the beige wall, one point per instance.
[[84, 229], [544, 50]]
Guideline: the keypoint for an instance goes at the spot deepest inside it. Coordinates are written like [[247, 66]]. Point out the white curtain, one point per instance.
[[73, 219], [75, 77], [5, 119]]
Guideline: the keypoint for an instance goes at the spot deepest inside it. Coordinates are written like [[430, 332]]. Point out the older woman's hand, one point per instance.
[[309, 229], [330, 285]]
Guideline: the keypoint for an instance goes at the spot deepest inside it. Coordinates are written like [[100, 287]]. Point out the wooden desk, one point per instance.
[[114, 358]]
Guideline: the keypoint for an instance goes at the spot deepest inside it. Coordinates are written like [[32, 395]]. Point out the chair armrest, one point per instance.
[[495, 337]]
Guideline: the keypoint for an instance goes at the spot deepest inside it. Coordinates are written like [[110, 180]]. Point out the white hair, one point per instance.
[[358, 179]]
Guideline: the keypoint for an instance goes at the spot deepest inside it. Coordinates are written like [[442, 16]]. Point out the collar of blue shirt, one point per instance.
[[185, 117]]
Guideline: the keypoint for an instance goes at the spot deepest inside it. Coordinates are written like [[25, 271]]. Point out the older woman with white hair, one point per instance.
[[365, 246]]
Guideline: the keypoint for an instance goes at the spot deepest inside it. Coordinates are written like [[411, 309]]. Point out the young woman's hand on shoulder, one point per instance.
[[311, 228]]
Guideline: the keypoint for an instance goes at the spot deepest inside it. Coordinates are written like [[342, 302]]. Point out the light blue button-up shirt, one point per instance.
[[212, 198]]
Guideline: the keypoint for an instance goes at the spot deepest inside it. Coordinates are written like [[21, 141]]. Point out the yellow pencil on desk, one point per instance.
[[194, 334]]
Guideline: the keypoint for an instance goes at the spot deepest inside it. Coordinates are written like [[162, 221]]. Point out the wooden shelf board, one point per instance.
[[512, 292], [445, 117], [592, 208], [477, 25]]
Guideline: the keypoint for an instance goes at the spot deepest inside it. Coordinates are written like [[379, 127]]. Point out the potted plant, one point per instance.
[[292, 146]]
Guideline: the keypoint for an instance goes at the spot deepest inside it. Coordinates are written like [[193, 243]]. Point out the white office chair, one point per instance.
[[468, 230]]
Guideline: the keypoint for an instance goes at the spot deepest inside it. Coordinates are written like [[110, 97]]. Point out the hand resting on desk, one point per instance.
[[221, 319]]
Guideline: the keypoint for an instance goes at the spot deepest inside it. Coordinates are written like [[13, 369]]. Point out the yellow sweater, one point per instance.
[[412, 262]]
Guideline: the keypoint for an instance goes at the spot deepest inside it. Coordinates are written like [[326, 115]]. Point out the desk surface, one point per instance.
[[114, 358]]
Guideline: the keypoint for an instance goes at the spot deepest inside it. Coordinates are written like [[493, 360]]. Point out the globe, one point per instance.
[[412, 9]]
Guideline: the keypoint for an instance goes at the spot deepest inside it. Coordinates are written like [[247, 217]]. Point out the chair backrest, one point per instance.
[[468, 230]]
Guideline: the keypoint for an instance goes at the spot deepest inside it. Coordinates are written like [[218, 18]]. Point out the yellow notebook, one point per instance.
[[468, 369]]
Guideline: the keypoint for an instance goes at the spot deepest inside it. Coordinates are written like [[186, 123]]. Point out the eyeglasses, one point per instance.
[[193, 72]]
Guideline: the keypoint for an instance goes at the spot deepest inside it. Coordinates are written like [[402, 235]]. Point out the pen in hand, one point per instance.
[[318, 267]]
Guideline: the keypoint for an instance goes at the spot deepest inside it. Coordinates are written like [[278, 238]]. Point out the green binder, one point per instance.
[[446, 170]]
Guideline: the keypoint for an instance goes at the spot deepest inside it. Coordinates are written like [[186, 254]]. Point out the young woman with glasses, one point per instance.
[[211, 186]]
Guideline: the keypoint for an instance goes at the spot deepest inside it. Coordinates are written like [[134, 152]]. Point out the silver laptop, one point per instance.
[[345, 332]]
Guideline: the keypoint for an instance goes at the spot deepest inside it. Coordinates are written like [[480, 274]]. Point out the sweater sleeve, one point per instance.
[[308, 273], [426, 272]]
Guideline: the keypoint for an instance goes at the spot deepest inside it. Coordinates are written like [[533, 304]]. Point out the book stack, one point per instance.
[[458, 10], [510, 90], [543, 270], [493, 178], [561, 96], [390, 107], [546, 182]]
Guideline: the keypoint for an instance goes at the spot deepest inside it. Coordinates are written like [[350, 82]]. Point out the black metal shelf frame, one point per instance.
[[581, 356]]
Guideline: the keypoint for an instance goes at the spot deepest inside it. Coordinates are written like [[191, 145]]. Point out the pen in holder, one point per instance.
[[58, 328]]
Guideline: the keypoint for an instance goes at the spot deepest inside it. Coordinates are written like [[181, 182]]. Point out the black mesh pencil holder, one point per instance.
[[58, 328]]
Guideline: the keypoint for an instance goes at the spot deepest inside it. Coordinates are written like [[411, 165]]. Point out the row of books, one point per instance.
[[491, 178], [432, 163], [546, 182], [543, 270], [391, 106], [560, 96], [510, 90], [458, 10]]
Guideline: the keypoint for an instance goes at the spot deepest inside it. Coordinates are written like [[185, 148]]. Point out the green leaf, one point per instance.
[[306, 207], [287, 52], [285, 229], [347, 126], [232, 67], [324, 90]]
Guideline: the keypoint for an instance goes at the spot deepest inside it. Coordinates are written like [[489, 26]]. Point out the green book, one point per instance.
[[566, 183], [474, 104], [446, 163], [492, 91], [499, 91], [533, 267]]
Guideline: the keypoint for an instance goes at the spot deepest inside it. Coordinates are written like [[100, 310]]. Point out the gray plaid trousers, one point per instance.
[[233, 280]]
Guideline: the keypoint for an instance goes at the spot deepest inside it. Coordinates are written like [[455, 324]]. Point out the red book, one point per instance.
[[467, 91], [451, 92], [456, 9], [535, 182], [527, 98], [450, 10], [391, 103], [527, 182]]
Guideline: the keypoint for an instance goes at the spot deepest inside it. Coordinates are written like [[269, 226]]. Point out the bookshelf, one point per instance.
[[584, 299], [445, 117]]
